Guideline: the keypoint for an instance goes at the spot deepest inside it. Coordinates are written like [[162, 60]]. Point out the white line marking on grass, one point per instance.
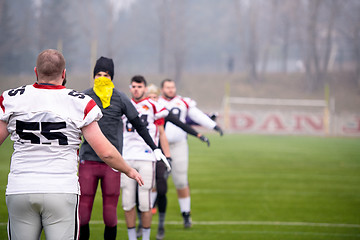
[[274, 233], [308, 224]]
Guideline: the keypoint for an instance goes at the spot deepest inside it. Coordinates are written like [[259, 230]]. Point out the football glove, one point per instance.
[[161, 157], [218, 129], [205, 139]]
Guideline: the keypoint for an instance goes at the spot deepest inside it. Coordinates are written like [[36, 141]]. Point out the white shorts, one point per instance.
[[129, 186], [180, 163], [57, 214]]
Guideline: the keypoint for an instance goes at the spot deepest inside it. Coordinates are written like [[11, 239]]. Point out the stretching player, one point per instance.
[[182, 107], [138, 155], [46, 122], [161, 173], [158, 194], [113, 104]]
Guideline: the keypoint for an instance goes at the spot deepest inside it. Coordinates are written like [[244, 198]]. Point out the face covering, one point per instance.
[[103, 88]]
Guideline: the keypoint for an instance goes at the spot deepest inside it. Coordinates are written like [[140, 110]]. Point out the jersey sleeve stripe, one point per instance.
[[1, 103], [163, 109], [153, 106], [88, 107], [187, 105]]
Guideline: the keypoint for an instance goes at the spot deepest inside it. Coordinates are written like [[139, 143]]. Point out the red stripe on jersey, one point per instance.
[[163, 109], [187, 106], [157, 132], [36, 85], [153, 106], [159, 122], [88, 107], [1, 103]]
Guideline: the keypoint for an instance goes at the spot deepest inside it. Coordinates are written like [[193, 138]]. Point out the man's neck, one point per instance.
[[138, 99], [51, 82], [167, 97]]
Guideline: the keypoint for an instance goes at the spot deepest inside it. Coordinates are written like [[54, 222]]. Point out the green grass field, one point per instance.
[[255, 187]]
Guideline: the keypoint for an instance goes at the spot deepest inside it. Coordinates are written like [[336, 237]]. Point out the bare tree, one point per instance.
[[349, 28], [177, 37], [286, 12], [163, 32], [334, 7], [252, 43], [6, 36], [269, 24]]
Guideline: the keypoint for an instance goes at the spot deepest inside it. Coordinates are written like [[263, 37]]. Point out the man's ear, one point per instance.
[[63, 75], [35, 70]]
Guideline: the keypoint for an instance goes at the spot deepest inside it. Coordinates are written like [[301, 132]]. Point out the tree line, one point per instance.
[[173, 37]]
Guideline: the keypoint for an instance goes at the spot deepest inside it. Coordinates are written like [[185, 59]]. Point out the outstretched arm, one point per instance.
[[187, 128], [173, 119], [202, 119], [107, 152], [144, 133]]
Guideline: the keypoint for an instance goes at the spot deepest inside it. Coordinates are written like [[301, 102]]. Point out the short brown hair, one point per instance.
[[166, 80], [50, 64], [138, 79]]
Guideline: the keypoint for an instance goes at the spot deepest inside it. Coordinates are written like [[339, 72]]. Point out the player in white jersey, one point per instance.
[[138, 155], [45, 120], [182, 107]]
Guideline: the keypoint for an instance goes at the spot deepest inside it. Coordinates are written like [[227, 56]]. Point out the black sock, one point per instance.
[[84, 232], [110, 233]]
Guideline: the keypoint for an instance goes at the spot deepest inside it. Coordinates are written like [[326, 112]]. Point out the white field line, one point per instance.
[[308, 224]]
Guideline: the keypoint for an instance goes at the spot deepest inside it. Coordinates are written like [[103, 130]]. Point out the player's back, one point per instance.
[[44, 122]]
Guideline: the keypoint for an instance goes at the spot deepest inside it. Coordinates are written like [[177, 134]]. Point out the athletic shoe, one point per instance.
[[187, 219], [160, 234]]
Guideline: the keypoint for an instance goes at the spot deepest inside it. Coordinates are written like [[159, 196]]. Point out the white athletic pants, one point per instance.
[[57, 214]]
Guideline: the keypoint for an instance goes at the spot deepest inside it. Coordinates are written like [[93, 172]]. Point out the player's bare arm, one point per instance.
[[107, 152], [3, 131], [164, 142]]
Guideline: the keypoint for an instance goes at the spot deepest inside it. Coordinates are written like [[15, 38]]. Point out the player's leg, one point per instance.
[[110, 187], [138, 213], [60, 218], [147, 171], [161, 187], [153, 196], [128, 189], [24, 216], [88, 179], [180, 162]]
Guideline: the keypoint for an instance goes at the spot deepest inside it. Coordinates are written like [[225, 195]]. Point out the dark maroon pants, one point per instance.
[[90, 173]]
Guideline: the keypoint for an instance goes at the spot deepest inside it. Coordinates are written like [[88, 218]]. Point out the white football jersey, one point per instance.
[[182, 107], [152, 114], [44, 121]]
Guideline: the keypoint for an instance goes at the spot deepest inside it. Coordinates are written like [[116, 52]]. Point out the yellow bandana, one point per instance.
[[103, 88]]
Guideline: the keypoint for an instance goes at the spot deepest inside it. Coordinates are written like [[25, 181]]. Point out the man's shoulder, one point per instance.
[[188, 102], [88, 91]]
